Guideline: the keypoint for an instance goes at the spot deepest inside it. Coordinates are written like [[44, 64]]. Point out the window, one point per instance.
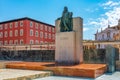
[[1, 27], [31, 32], [102, 36], [45, 28], [5, 42], [21, 32], [6, 26], [53, 36], [41, 42], [53, 30], [49, 29], [36, 42], [31, 24], [1, 42], [36, 25], [45, 41], [1, 34], [16, 24], [21, 41], [16, 32], [36, 33], [49, 36], [41, 34], [108, 35], [45, 36], [6, 34], [11, 42], [41, 27], [31, 42], [11, 25], [16, 42], [10, 33], [21, 23]]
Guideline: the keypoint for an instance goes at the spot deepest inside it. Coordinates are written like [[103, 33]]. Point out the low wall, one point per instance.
[[94, 56], [97, 55], [28, 55]]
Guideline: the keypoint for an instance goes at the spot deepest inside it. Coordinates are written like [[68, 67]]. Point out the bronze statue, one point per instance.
[[66, 21]]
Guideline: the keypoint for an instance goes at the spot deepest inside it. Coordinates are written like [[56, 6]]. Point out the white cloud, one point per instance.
[[110, 17], [110, 4], [85, 29], [91, 10]]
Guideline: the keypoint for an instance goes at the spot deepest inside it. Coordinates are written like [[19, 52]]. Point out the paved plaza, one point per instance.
[[15, 74], [107, 76]]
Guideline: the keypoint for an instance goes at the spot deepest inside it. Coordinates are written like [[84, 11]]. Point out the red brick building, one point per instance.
[[26, 31]]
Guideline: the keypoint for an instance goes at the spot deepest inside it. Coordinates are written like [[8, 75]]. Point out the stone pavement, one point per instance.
[[15, 74], [107, 76]]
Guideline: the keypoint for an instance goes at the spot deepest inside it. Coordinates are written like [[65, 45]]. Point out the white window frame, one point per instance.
[[49, 35], [5, 42], [21, 23], [46, 28], [49, 29], [31, 32], [10, 33], [53, 30], [31, 24], [10, 42], [1, 42], [5, 34], [16, 32], [6, 26], [45, 36], [11, 25], [21, 41], [41, 34], [16, 24], [41, 26], [36, 25], [1, 27], [53, 36], [36, 42], [41, 42], [15, 41], [21, 32], [31, 41], [36, 34], [1, 34]]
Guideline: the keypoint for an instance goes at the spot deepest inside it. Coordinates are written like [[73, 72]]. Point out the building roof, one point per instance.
[[26, 18]]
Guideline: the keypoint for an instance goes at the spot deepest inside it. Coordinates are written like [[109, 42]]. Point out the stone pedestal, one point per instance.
[[65, 47], [69, 48]]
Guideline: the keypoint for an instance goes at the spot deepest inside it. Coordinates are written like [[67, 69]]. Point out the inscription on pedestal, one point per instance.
[[65, 49]]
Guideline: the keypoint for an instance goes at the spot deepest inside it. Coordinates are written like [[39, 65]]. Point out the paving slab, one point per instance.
[[106, 76], [15, 74]]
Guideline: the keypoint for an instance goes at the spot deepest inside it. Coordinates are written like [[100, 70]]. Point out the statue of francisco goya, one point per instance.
[[66, 21]]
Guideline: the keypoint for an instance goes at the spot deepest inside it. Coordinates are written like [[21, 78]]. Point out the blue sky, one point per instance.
[[95, 13]]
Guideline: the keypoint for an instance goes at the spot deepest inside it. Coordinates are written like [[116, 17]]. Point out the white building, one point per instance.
[[109, 34]]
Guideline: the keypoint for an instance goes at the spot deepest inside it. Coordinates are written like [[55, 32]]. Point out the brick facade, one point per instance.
[[26, 31]]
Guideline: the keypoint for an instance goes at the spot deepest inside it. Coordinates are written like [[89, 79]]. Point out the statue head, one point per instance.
[[65, 9]]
